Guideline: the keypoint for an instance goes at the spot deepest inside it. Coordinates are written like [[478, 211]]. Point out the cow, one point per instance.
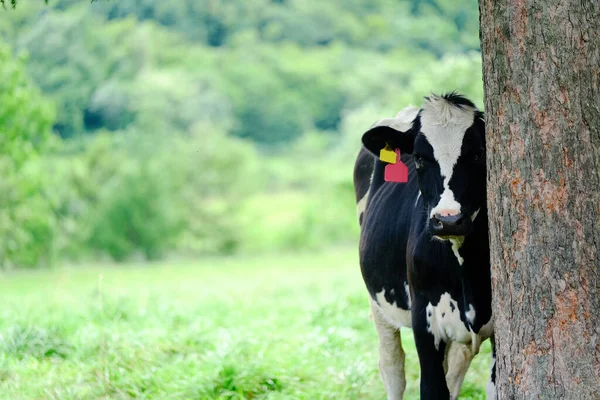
[[424, 249]]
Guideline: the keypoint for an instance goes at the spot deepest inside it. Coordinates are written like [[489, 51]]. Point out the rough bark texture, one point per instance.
[[541, 67]]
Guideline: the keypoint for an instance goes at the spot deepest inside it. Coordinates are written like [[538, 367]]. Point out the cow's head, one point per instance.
[[446, 138]]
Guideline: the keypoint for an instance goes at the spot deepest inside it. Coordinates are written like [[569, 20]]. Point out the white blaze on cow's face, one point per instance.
[[444, 126], [450, 159]]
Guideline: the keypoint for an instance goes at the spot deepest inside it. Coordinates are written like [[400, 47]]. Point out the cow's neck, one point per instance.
[[438, 260]]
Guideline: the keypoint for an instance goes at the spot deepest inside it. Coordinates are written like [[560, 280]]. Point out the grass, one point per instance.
[[291, 326]]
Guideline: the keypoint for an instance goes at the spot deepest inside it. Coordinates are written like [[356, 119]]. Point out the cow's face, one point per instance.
[[447, 141]]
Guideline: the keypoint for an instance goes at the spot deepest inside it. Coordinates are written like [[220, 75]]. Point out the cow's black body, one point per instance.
[[384, 234], [448, 292]]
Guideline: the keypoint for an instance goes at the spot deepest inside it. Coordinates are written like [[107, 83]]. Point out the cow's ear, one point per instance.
[[398, 133]]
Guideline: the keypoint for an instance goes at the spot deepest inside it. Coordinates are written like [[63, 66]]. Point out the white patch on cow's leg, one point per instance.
[[458, 360], [487, 330], [407, 291], [396, 316], [391, 355], [490, 389]]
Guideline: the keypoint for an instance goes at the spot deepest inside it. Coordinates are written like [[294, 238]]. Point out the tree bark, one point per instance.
[[541, 69]]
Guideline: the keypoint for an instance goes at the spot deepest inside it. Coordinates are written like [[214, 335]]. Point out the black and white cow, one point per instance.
[[424, 251]]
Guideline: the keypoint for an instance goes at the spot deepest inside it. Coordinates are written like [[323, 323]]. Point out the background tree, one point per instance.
[[25, 129], [541, 64], [151, 98]]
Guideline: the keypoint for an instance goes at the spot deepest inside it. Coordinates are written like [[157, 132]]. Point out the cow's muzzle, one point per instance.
[[451, 225]]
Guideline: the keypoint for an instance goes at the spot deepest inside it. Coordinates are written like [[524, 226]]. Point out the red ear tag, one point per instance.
[[396, 172]]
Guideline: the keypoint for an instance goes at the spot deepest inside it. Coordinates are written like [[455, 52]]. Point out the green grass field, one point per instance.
[[292, 326]]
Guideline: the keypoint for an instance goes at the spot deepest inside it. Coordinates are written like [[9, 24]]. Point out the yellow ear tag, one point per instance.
[[387, 155]]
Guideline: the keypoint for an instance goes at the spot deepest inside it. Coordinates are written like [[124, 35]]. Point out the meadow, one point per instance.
[[278, 326]]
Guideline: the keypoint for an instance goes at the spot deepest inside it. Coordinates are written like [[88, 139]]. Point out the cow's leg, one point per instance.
[[431, 354], [490, 390], [391, 355], [456, 364]]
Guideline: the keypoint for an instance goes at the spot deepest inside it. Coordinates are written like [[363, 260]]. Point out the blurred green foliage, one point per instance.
[[26, 228], [199, 127]]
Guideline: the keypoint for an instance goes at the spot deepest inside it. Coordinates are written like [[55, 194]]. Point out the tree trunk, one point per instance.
[[541, 68]]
